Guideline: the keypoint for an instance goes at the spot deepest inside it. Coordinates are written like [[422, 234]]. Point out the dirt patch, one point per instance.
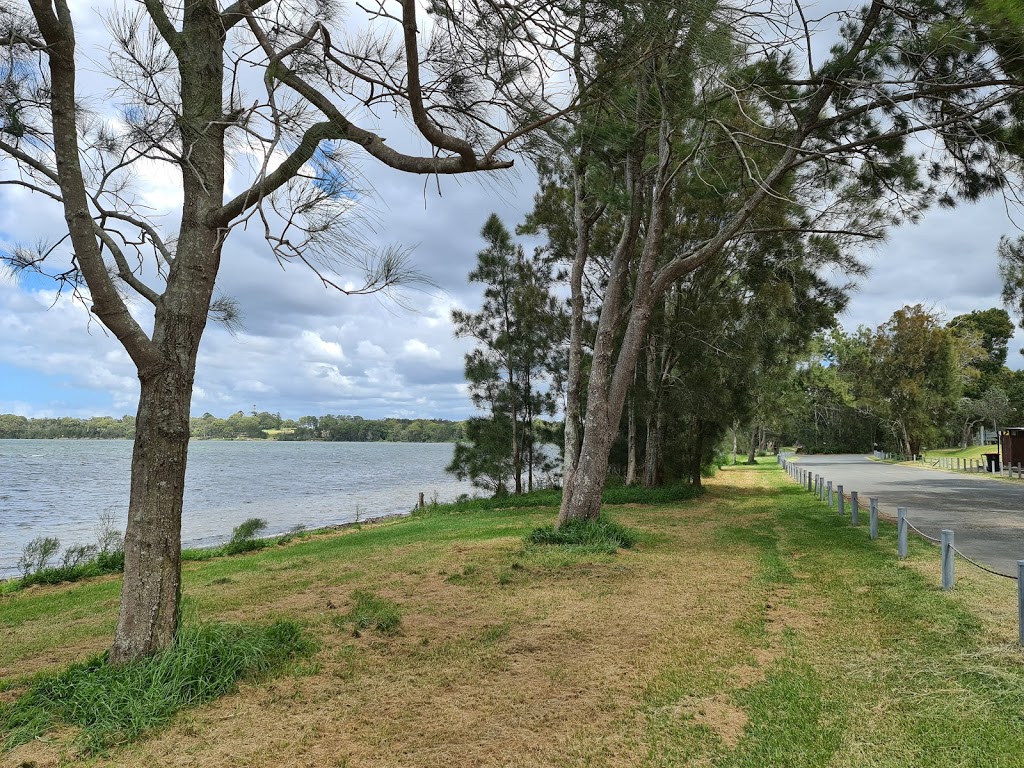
[[716, 713]]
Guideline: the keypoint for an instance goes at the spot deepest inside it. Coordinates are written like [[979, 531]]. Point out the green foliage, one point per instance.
[[514, 372], [991, 330], [37, 554], [659, 495], [245, 536], [370, 611], [601, 536], [113, 705]]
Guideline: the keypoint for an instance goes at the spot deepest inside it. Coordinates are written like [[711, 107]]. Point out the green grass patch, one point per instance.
[[552, 498], [371, 612], [112, 705], [601, 536]]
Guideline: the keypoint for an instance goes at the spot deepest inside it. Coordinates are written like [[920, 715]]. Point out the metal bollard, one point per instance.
[[854, 511], [873, 521], [1020, 602], [842, 501], [901, 532], [948, 557]]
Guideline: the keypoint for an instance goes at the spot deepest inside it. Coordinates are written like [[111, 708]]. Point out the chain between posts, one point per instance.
[[948, 550]]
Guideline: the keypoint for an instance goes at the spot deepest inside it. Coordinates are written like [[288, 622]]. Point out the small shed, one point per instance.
[[1011, 444]]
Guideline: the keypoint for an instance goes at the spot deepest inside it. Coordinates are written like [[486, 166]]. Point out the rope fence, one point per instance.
[[824, 491], [922, 534]]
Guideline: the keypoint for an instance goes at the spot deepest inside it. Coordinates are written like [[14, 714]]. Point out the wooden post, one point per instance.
[[421, 500], [842, 500], [830, 494], [873, 521], [854, 511]]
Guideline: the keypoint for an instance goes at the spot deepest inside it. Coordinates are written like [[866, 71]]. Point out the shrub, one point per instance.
[[37, 554], [244, 537], [601, 536]]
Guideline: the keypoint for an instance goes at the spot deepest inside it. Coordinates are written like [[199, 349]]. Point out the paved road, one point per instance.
[[986, 514]]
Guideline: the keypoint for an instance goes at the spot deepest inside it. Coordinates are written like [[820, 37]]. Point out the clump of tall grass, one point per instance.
[[79, 561], [370, 611], [245, 536], [113, 705], [600, 536]]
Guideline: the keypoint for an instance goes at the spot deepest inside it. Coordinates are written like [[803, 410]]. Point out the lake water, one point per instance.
[[60, 487]]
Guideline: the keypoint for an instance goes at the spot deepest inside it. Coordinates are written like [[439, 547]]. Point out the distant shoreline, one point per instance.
[[256, 426]]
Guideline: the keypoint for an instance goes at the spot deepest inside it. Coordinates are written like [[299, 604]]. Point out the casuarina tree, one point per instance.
[[269, 89]]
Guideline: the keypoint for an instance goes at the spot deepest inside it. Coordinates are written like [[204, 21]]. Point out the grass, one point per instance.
[[112, 705], [370, 611], [746, 627], [601, 536], [973, 452]]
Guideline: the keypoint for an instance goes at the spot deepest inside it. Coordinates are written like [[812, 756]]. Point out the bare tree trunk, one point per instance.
[[152, 549], [631, 462], [529, 435], [752, 451], [609, 381], [655, 436]]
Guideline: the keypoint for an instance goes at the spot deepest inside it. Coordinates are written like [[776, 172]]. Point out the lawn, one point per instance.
[[747, 627], [973, 452]]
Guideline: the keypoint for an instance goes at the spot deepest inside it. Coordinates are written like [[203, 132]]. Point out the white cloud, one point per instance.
[[418, 350], [315, 347]]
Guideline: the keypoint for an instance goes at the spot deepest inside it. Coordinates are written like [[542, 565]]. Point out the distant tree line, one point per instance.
[[911, 384], [254, 426]]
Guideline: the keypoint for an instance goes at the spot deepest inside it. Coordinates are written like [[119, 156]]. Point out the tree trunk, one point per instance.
[[752, 452], [152, 548], [652, 450], [152, 578], [631, 462], [584, 221]]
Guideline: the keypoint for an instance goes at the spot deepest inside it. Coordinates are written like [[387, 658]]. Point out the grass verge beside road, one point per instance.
[[747, 627]]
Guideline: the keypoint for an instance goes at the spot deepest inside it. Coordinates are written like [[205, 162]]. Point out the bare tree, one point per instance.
[[274, 90]]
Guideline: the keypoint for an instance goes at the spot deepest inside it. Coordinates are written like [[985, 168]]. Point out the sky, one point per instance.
[[304, 349]]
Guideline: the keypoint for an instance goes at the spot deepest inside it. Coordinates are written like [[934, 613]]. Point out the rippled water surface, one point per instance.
[[60, 487]]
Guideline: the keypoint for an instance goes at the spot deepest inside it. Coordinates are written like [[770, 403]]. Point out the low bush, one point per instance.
[[112, 705], [245, 536], [601, 536]]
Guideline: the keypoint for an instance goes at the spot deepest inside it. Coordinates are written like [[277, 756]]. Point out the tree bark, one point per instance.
[[653, 448], [152, 580], [631, 460], [152, 549], [752, 451]]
